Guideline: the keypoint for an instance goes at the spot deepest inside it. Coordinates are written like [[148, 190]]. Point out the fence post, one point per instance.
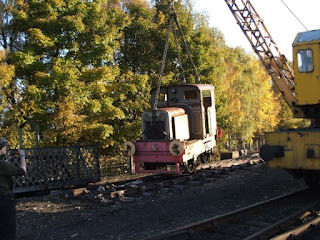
[[132, 165], [36, 127]]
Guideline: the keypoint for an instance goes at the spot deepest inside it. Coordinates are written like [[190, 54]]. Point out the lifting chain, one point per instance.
[[171, 28], [155, 106], [179, 55], [175, 17]]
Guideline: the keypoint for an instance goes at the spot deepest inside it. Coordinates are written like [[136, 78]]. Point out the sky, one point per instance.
[[280, 22]]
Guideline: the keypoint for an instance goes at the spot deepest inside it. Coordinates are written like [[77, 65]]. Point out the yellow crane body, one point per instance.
[[293, 150], [298, 150], [306, 58]]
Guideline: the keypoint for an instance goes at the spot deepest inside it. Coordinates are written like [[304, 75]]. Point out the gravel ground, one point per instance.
[[89, 216]]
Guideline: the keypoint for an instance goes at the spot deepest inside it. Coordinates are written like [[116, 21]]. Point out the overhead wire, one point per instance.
[[294, 14]]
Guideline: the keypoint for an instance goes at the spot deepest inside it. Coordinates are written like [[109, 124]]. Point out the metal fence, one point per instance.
[[113, 166], [250, 147], [50, 168]]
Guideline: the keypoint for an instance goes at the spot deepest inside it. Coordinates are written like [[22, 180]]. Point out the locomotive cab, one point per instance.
[[197, 100], [179, 133]]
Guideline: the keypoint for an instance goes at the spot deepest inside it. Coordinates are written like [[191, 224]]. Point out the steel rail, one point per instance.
[[190, 231], [285, 222], [206, 172], [298, 230]]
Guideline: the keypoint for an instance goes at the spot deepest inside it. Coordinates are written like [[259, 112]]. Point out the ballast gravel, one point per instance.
[[91, 216]]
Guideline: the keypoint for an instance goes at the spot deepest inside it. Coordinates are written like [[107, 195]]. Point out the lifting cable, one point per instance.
[[179, 55], [175, 17], [171, 28], [294, 14], [155, 106]]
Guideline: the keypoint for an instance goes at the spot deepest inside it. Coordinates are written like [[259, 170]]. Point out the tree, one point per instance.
[[8, 93], [83, 70], [250, 105], [65, 68]]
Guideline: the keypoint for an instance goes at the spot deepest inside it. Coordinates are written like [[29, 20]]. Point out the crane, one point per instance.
[[296, 151], [265, 47]]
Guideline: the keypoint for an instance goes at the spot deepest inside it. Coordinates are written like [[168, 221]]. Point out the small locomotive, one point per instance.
[[180, 133]]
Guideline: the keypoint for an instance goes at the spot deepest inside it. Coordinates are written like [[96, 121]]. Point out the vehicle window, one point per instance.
[[206, 93], [163, 97], [305, 60], [155, 130], [190, 95]]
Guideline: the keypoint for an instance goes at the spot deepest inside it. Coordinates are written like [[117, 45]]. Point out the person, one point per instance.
[[7, 199]]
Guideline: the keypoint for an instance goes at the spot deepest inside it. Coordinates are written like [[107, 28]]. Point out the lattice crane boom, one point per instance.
[[265, 47]]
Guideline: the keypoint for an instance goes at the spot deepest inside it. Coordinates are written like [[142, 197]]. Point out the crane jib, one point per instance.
[[265, 47]]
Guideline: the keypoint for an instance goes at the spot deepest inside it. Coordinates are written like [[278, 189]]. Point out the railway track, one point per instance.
[[277, 219], [205, 173], [158, 182]]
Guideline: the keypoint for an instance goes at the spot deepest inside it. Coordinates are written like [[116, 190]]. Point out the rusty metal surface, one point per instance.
[[50, 168], [174, 111]]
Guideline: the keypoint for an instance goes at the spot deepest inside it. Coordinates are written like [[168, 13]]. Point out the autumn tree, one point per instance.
[[83, 70], [248, 105], [8, 93], [63, 53]]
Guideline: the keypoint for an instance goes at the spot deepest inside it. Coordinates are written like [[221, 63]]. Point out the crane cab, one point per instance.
[[298, 150], [306, 58]]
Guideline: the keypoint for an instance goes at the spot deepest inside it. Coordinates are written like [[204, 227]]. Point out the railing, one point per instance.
[[50, 168], [250, 147], [53, 168], [113, 166]]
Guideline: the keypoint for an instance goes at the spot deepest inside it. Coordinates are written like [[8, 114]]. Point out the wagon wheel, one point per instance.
[[205, 157], [190, 166]]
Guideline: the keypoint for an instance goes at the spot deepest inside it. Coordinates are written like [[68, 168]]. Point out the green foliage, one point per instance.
[[82, 70], [248, 101], [66, 68], [9, 92], [287, 121]]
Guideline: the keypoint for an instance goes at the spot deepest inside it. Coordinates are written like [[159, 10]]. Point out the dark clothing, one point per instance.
[[7, 217], [7, 200], [7, 170], [3, 142]]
